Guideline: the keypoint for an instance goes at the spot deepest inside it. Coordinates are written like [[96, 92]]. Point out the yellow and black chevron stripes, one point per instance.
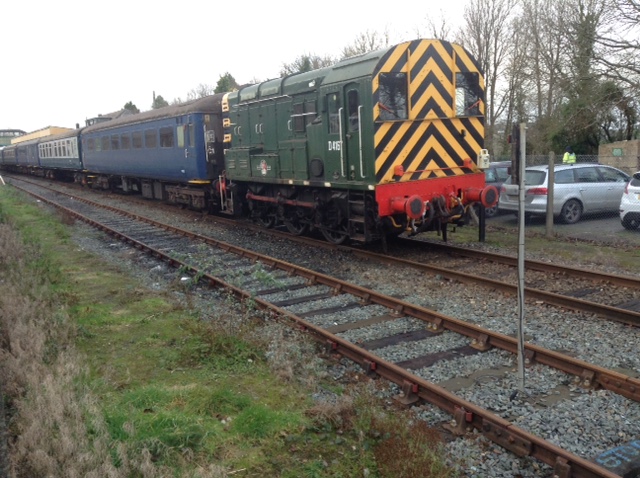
[[432, 141]]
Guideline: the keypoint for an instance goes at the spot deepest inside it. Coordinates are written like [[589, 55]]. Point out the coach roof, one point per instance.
[[208, 104]]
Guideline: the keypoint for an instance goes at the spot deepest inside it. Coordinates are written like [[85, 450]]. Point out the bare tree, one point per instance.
[[306, 62], [487, 34], [438, 27], [200, 91], [619, 42], [366, 42]]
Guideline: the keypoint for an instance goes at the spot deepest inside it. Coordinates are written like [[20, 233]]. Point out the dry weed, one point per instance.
[[56, 428], [337, 411], [407, 452]]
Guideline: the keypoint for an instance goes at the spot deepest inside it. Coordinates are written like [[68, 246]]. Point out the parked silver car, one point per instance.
[[578, 189]]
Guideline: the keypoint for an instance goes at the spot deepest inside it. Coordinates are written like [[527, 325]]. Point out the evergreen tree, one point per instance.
[[131, 107]]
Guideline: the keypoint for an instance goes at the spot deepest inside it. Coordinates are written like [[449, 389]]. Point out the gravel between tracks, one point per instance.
[[584, 422]]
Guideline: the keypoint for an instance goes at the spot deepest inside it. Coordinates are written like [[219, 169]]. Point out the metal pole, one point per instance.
[[521, 225], [551, 182], [481, 223]]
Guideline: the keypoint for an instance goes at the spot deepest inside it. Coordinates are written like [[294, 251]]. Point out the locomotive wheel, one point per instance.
[[266, 220], [295, 222], [334, 225], [296, 227], [266, 217], [335, 236]]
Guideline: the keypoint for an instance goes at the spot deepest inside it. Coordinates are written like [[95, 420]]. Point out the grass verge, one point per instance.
[[104, 377]]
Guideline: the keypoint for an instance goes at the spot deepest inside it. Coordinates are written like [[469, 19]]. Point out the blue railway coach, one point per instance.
[[170, 153]]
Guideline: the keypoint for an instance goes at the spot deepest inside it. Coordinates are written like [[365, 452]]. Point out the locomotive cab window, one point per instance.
[[392, 96], [333, 105], [353, 103], [468, 94]]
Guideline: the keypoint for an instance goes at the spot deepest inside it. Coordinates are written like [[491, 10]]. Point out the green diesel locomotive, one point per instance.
[[382, 143]]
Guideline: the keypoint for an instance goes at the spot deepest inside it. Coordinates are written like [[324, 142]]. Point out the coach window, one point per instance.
[[115, 141], [136, 139], [63, 149], [105, 140], [166, 137], [125, 141], [468, 94], [392, 96], [180, 132], [150, 138], [91, 144], [332, 109]]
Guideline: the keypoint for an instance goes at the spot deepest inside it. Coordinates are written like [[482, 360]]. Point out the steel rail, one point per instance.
[[628, 317], [540, 266]]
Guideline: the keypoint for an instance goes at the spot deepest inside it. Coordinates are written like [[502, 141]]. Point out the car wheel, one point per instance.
[[491, 211], [631, 223], [571, 211]]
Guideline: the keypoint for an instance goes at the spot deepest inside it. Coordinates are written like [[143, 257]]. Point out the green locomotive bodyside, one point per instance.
[[306, 144]]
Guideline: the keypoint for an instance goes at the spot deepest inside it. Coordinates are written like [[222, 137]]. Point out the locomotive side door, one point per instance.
[[352, 132]]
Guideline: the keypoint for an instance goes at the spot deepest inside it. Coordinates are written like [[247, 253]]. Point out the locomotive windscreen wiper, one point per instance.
[[389, 110]]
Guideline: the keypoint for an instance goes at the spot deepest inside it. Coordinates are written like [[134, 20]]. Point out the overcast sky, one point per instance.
[[68, 60]]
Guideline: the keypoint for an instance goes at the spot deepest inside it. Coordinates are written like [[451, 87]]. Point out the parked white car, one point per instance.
[[578, 189], [630, 204]]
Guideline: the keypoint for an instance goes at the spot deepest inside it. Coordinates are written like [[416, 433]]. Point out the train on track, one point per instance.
[[383, 143]]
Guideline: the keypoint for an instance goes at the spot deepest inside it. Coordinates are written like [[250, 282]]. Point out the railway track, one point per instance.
[[336, 311], [610, 296]]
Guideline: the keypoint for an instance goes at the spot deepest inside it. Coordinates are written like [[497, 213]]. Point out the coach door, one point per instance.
[[352, 132], [186, 143]]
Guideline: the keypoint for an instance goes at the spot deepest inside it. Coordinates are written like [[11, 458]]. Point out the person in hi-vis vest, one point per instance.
[[569, 156]]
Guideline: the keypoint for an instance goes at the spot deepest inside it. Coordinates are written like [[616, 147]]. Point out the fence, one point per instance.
[[539, 159]]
